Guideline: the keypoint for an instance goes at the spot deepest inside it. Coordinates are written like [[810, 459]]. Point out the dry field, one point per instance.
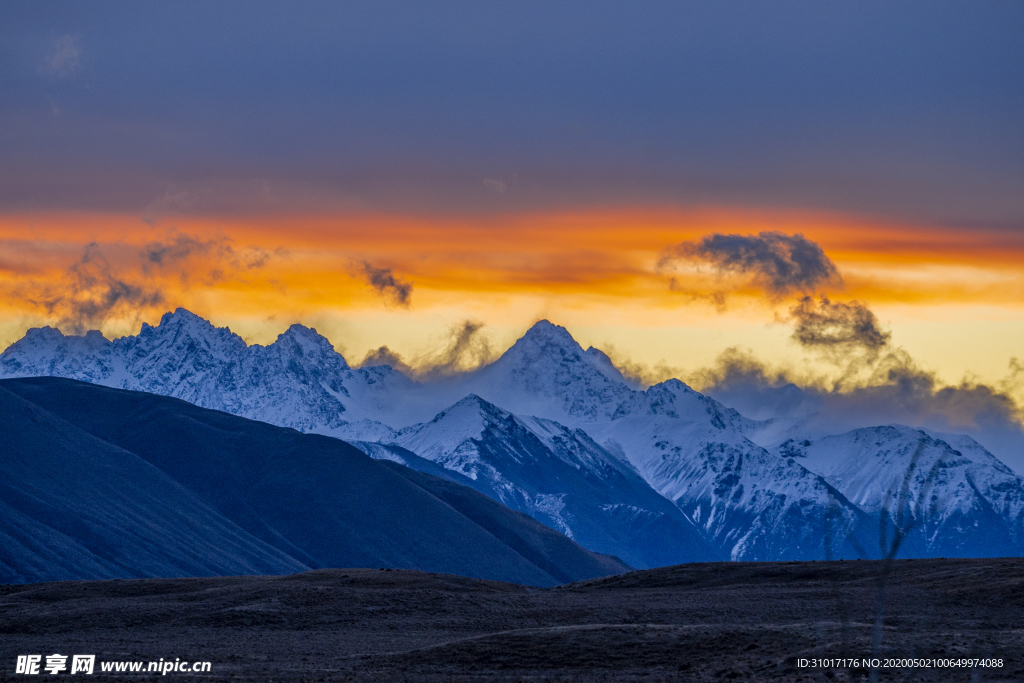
[[699, 622]]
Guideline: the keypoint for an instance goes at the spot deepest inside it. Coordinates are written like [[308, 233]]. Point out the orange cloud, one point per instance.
[[594, 253]]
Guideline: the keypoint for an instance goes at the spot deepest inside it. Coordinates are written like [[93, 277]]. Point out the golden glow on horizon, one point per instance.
[[594, 271]]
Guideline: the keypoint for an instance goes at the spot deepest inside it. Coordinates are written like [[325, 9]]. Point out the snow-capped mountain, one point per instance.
[[556, 431], [299, 381], [956, 496], [547, 373], [751, 504], [674, 399], [560, 477]]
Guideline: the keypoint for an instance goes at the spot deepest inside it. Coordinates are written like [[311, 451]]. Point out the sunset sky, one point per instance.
[[385, 171]]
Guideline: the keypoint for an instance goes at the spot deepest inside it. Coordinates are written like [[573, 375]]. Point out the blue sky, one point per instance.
[[911, 110]]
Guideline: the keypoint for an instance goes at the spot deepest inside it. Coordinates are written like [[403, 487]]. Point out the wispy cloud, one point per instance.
[[465, 348], [385, 282], [176, 249], [62, 59], [90, 292], [116, 281], [498, 186]]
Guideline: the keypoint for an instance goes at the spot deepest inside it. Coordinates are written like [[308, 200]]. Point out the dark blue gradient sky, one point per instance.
[[912, 110]]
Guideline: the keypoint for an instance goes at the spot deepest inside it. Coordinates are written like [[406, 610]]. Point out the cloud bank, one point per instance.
[[894, 390]]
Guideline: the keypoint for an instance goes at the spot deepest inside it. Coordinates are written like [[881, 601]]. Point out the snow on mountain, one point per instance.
[[963, 501], [561, 478], [45, 352], [672, 398], [299, 381], [593, 431], [752, 504], [547, 373], [364, 430]]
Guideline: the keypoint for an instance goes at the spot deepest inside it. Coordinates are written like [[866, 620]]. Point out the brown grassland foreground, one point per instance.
[[698, 622]]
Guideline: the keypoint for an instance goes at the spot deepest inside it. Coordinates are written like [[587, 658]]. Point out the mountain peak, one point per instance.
[[547, 333], [187, 333], [308, 343], [468, 419], [600, 360], [545, 341], [181, 316], [43, 333], [183, 321], [474, 403], [47, 336], [304, 335], [545, 370]]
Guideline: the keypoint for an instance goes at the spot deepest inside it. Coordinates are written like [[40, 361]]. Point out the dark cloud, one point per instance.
[[838, 329], [466, 349], [180, 248], [115, 281], [385, 356], [385, 282], [736, 367], [90, 293], [179, 253], [781, 264]]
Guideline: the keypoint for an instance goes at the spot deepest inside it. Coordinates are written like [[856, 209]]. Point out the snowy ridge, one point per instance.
[[557, 432], [547, 373], [559, 476], [750, 503], [962, 499], [299, 381], [672, 398]]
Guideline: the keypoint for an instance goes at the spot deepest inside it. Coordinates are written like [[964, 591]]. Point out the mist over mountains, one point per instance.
[[655, 476]]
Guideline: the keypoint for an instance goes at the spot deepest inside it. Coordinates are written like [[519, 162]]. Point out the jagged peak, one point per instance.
[[183, 323], [546, 333], [303, 333], [545, 342], [43, 333], [676, 385], [182, 320], [890, 430], [603, 363], [49, 334], [307, 339], [180, 316]]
